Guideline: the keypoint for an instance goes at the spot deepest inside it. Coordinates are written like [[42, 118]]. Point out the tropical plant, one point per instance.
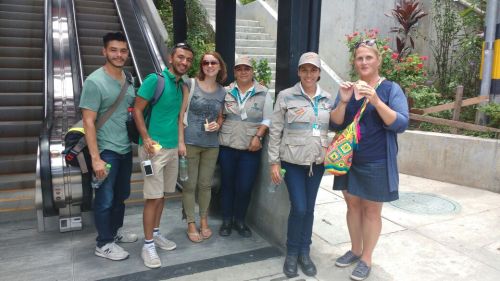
[[492, 111], [262, 71], [407, 14]]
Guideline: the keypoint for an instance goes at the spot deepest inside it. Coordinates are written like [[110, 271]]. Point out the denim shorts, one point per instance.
[[369, 181]]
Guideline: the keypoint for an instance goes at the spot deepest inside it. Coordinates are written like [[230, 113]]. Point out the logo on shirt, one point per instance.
[[299, 111], [256, 107]]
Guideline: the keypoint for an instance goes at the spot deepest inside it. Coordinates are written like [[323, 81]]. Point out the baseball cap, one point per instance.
[[243, 60], [310, 57]]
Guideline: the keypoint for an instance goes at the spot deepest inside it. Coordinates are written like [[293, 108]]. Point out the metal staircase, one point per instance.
[[21, 104]]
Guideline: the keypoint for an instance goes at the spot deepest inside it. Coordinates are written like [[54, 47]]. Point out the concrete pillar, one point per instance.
[[225, 35]]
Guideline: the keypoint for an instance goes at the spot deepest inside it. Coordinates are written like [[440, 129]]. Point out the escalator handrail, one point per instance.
[[72, 10]]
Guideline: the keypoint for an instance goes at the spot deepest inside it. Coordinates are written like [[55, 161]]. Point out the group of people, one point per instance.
[[207, 124]]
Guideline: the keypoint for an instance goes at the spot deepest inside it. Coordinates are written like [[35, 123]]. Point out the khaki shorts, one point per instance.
[[165, 169]]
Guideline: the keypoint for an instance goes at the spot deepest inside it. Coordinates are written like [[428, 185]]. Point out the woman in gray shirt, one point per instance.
[[199, 143]]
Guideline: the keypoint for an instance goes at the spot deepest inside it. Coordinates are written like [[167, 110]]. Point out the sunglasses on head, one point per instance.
[[206, 62], [184, 46], [369, 42]]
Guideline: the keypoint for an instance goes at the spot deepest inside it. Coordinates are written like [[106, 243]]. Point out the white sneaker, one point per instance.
[[111, 251], [162, 242], [150, 256], [125, 236]]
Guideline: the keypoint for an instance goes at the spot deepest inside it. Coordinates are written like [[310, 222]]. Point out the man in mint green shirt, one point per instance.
[[159, 146], [109, 145]]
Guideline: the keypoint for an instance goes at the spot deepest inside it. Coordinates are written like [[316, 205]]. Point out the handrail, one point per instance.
[[72, 17]]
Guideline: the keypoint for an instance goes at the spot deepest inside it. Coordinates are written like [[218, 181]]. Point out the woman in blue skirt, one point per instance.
[[373, 177]]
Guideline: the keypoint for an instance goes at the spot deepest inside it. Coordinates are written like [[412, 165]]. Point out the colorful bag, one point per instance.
[[338, 157]]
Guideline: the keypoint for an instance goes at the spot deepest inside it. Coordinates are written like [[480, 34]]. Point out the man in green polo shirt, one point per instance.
[[159, 145]]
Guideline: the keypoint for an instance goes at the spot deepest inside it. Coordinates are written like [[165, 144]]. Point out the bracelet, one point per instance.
[[260, 138]]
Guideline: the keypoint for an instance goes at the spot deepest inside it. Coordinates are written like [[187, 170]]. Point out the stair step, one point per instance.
[[86, 32], [21, 74], [21, 42], [5, 14], [21, 8], [247, 23], [26, 52], [14, 164], [24, 2], [250, 29], [19, 145], [25, 24], [17, 182], [91, 50], [20, 99], [97, 18], [255, 43], [255, 50], [88, 68], [90, 41], [21, 32], [12, 86], [19, 62], [95, 4], [20, 113], [253, 36], [98, 25], [270, 58], [20, 128], [95, 11]]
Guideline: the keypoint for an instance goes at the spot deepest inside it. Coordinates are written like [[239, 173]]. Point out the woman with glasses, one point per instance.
[[298, 140], [373, 176], [247, 113], [199, 142]]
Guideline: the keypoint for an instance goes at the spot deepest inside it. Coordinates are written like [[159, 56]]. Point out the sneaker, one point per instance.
[[347, 259], [361, 271], [150, 256], [111, 251], [125, 237], [162, 242]]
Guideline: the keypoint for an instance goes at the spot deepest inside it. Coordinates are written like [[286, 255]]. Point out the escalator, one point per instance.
[[21, 104]]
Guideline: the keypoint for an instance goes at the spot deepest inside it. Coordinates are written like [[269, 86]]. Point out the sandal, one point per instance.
[[194, 237], [206, 233]]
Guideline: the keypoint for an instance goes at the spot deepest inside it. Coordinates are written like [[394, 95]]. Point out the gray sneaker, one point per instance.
[[125, 236], [347, 259], [361, 271], [165, 244]]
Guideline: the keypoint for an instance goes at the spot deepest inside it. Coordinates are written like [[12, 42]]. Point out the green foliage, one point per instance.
[[424, 97], [244, 2], [492, 111], [200, 34], [262, 71]]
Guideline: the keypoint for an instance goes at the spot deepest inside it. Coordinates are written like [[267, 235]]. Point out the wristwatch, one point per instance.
[[260, 138]]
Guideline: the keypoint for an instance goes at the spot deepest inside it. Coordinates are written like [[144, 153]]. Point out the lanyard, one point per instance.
[[314, 102]]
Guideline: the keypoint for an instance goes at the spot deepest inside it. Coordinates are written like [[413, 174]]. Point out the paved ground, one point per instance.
[[462, 244]]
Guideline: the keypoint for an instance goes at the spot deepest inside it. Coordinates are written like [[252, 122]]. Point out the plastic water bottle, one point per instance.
[[183, 168], [96, 183], [272, 187]]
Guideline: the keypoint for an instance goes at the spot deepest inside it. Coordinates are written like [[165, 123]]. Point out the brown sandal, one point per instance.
[[194, 237], [206, 233]]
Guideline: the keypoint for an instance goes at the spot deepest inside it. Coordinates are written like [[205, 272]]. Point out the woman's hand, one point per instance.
[[275, 173], [255, 144], [182, 149], [346, 90], [369, 92], [212, 126]]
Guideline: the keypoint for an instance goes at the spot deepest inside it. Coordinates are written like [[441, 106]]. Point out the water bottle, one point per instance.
[[272, 187], [96, 183], [183, 168]]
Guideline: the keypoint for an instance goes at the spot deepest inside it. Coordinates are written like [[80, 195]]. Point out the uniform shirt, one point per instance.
[[99, 92]]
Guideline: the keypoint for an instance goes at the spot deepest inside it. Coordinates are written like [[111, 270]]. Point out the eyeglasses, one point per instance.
[[369, 42], [182, 45], [206, 62]]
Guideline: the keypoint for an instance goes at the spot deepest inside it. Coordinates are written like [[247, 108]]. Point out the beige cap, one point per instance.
[[243, 60], [310, 57]]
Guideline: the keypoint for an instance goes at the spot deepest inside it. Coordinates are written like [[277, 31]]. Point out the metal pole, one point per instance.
[[225, 35], [179, 20], [489, 38]]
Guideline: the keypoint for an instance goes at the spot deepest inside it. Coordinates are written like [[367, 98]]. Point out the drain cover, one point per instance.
[[425, 203]]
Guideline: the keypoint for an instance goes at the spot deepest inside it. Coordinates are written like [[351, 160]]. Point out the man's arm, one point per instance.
[[98, 165], [147, 142], [185, 97]]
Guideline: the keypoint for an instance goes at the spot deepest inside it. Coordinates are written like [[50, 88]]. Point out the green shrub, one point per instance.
[[492, 111], [262, 71], [244, 2]]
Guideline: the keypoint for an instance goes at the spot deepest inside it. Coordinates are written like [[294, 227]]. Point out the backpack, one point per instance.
[[133, 132]]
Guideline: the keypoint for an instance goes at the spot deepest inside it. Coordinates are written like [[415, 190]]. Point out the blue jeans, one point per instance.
[[238, 172], [302, 190], [109, 202]]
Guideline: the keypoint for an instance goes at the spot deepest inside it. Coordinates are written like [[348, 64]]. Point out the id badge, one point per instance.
[[243, 114], [316, 130]]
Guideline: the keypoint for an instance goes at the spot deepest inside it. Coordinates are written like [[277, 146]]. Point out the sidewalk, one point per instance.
[[452, 233]]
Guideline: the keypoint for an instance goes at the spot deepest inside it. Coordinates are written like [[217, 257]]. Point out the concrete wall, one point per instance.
[[456, 159]]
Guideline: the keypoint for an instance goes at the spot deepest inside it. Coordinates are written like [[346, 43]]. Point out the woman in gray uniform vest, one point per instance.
[[298, 141], [247, 112]]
